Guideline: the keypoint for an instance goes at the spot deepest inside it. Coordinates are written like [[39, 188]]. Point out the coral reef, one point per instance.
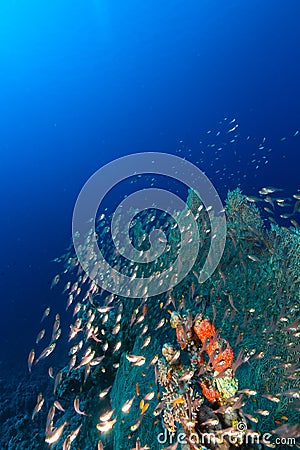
[[203, 358], [209, 376]]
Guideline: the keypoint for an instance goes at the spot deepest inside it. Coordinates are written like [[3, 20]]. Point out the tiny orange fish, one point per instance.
[[137, 389], [178, 401], [145, 407]]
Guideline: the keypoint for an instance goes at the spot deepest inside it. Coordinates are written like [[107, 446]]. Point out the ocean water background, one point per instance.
[[83, 83]]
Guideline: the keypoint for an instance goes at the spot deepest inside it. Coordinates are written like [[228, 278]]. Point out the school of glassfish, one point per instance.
[[210, 380], [199, 358]]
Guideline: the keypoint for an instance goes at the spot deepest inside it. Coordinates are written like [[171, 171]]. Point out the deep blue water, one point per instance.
[[82, 83]]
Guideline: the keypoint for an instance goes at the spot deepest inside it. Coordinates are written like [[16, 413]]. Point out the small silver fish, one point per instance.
[[46, 352], [30, 359]]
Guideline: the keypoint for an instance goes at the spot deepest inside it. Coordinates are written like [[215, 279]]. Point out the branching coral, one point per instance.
[[178, 393]]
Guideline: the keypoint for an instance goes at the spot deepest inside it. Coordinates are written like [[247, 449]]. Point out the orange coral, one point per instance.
[[204, 329], [223, 360], [212, 346], [181, 336], [218, 350], [211, 394]]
